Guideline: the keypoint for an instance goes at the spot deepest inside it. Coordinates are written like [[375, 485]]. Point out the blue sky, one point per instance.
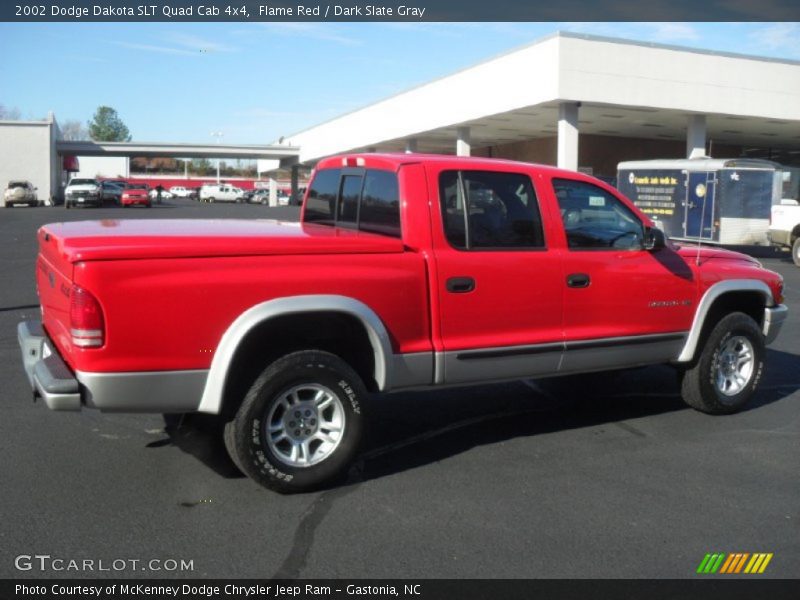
[[258, 81]]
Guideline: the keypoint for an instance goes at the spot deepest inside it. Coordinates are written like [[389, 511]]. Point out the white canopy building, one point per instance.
[[586, 102]]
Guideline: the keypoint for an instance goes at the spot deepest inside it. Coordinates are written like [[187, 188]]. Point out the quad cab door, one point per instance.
[[624, 305], [497, 282]]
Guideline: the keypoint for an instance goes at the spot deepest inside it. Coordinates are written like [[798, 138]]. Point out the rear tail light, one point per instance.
[[86, 323]]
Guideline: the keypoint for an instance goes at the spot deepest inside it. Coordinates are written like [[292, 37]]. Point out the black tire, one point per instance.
[[66, 204], [796, 252], [270, 463], [701, 388], [211, 199]]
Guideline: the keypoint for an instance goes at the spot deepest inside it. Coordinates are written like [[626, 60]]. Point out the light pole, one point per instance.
[[218, 135]]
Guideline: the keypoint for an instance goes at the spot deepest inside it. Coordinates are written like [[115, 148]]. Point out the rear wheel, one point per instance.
[[211, 199], [796, 252], [727, 371], [67, 204], [300, 424]]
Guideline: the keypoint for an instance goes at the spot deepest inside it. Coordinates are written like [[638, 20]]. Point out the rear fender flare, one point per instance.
[[211, 401]]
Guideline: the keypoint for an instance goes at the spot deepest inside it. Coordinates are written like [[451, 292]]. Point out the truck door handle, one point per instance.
[[460, 285], [578, 280]]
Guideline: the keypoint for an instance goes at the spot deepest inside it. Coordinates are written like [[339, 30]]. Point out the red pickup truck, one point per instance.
[[406, 271]]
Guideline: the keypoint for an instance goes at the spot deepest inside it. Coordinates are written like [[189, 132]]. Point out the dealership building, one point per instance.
[[584, 102], [577, 101]]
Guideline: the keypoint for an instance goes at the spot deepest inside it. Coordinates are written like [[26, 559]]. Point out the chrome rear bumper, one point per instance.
[[48, 375]]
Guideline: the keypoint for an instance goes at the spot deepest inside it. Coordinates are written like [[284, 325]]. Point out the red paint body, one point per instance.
[[170, 289]]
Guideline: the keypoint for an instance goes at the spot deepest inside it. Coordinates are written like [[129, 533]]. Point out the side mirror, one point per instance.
[[654, 239]]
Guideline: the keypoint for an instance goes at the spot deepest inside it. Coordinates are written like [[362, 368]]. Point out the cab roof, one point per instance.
[[393, 161]]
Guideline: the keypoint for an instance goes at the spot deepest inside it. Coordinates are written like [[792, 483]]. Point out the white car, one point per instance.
[[179, 191], [222, 192], [165, 195], [20, 192]]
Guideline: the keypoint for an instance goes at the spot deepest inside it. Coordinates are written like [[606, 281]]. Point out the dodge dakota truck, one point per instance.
[[405, 272]]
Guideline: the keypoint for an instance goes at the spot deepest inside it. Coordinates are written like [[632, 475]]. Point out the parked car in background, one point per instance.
[[83, 192], [283, 199], [784, 226], [111, 191], [178, 191], [222, 192], [136, 194], [259, 197], [20, 192], [165, 194]]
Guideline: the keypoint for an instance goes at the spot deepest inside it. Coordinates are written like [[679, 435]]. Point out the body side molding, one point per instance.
[[712, 293], [255, 315]]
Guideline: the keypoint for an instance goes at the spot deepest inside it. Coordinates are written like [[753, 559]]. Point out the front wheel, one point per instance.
[[300, 424], [728, 369], [796, 252]]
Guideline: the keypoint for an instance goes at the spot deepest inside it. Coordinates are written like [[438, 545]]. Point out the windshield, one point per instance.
[[83, 182], [17, 184]]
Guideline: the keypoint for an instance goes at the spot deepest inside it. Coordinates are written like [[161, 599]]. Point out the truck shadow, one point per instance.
[[199, 436], [410, 430]]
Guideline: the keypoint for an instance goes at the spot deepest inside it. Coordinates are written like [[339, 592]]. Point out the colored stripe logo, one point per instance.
[[734, 563]]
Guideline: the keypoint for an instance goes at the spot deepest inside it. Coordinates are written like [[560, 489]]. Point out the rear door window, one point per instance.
[[485, 210]]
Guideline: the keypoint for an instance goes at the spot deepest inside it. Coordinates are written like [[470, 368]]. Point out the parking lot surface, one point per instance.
[[523, 480]]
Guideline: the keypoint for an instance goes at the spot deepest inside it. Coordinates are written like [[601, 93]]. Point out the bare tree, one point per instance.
[[9, 114], [74, 131]]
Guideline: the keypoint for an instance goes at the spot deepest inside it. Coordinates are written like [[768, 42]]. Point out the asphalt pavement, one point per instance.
[[521, 480]]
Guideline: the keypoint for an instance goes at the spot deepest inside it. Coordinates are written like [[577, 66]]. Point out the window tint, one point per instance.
[[483, 209], [380, 204], [321, 203], [595, 219], [368, 199], [351, 193]]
